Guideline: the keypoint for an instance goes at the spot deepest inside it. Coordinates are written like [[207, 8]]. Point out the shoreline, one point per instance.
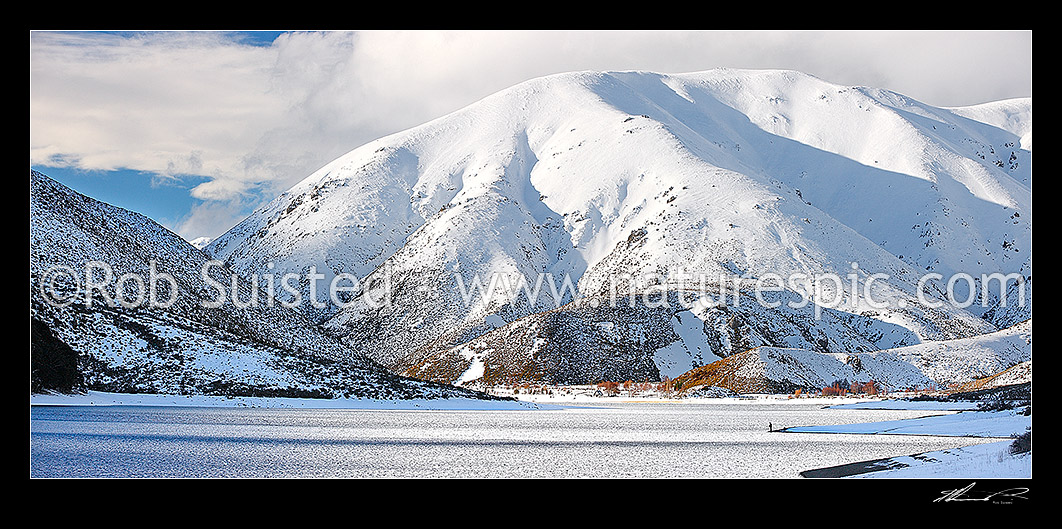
[[521, 401], [938, 464], [989, 457], [99, 398], [996, 429], [852, 469]]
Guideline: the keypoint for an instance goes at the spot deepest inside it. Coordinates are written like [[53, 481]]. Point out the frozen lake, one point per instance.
[[702, 440]]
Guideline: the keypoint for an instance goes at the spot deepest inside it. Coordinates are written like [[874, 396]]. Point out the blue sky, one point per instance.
[[195, 129], [136, 191]]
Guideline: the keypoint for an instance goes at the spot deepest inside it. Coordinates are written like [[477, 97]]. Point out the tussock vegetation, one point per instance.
[[1004, 378], [726, 373]]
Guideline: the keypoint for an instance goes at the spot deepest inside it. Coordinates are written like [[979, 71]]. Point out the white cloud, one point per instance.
[[147, 104], [220, 189], [209, 219], [264, 117]]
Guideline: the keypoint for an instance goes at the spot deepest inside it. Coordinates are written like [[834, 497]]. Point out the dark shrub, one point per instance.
[[53, 364], [1022, 443]]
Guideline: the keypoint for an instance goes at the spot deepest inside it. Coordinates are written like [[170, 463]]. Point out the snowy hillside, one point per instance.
[[1016, 374], [1004, 355], [127, 343], [960, 361], [621, 181]]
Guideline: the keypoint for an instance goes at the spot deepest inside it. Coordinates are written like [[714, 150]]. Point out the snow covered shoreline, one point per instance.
[[97, 398], [521, 402], [985, 460]]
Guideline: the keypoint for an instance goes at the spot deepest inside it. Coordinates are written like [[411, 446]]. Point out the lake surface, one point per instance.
[[634, 440]]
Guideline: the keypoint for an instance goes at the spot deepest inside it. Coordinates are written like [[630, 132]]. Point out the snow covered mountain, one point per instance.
[[712, 184], [92, 269]]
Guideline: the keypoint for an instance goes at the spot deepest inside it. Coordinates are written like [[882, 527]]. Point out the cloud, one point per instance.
[[139, 103], [210, 219], [942, 68], [257, 119], [222, 189]]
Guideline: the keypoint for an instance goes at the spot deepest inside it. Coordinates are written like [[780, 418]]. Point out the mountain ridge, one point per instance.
[[91, 264]]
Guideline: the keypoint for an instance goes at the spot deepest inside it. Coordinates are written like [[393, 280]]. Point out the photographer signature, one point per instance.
[[960, 494]]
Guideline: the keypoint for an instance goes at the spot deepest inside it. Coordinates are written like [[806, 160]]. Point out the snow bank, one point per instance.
[[982, 460], [987, 461]]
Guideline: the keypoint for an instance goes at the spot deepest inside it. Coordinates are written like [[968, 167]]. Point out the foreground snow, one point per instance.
[[985, 460]]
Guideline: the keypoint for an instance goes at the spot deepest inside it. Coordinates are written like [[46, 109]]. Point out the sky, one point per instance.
[[197, 128]]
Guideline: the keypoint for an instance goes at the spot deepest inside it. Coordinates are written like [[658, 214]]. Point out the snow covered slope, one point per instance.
[[943, 364], [175, 344], [1016, 374], [626, 180]]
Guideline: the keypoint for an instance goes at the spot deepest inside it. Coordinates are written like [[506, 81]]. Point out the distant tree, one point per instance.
[[864, 388], [666, 386], [838, 389]]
